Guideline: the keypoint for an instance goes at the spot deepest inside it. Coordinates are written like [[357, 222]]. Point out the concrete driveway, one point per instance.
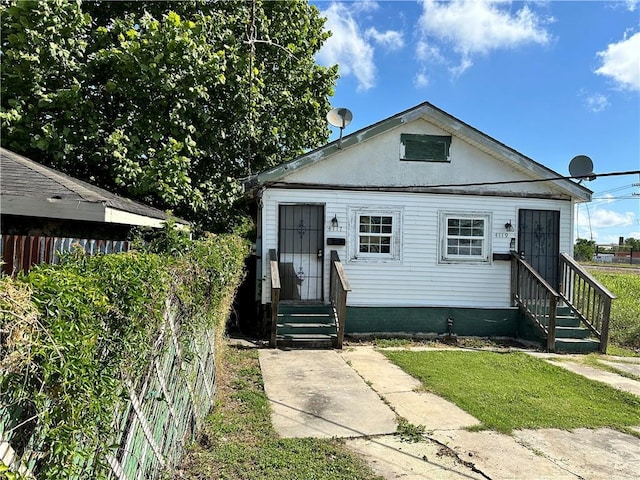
[[358, 394]]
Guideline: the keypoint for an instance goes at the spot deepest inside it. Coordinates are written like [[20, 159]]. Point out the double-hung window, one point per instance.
[[376, 234], [465, 237]]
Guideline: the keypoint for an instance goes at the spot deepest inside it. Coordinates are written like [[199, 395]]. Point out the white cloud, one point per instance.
[[621, 62], [364, 6], [632, 5], [474, 27], [347, 47], [421, 79], [598, 218], [428, 52], [391, 40], [596, 102], [603, 225]]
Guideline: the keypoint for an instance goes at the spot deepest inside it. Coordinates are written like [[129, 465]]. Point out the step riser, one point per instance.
[[305, 318], [574, 347], [560, 311], [288, 330], [572, 333], [307, 344], [564, 322], [297, 309]]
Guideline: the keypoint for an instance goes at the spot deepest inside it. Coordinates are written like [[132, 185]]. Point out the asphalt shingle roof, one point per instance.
[[20, 176]]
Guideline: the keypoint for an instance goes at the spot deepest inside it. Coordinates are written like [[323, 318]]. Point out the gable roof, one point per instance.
[[442, 120], [31, 189]]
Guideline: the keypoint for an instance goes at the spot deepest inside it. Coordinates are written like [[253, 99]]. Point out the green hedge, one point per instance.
[[72, 334]]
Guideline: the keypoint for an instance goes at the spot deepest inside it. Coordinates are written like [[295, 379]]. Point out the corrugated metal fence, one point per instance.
[[161, 416], [20, 252]]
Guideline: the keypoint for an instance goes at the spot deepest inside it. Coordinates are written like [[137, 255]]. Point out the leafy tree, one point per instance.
[[167, 102], [584, 250], [632, 243]]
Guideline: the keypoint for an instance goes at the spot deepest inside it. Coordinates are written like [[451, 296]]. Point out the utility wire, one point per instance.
[[509, 182]]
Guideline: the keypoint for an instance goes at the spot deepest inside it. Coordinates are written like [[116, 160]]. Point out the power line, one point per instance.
[[509, 182]]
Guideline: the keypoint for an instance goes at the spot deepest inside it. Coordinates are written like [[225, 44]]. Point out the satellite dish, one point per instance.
[[340, 117], [581, 167]]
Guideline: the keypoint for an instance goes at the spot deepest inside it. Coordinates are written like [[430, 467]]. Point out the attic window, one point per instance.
[[424, 148]]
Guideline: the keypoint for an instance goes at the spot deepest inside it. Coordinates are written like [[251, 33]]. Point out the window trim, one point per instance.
[[444, 257], [354, 254]]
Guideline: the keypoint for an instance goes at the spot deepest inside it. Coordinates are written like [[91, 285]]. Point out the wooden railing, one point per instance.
[[275, 295], [338, 289], [588, 300], [536, 297]]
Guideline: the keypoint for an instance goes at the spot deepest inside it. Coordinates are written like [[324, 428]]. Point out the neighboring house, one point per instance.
[[39, 202], [423, 211]]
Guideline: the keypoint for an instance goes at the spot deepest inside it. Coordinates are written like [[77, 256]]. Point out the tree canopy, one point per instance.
[[584, 250], [170, 103]]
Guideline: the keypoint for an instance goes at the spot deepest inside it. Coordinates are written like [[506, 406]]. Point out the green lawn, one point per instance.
[[508, 391], [239, 442]]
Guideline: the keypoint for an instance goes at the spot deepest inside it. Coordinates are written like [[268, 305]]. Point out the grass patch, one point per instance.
[[624, 328], [239, 442], [392, 342], [622, 351], [515, 390]]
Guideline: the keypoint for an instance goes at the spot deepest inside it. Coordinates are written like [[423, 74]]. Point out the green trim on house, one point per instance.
[[480, 322]]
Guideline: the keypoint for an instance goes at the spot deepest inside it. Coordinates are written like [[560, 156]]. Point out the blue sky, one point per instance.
[[550, 79]]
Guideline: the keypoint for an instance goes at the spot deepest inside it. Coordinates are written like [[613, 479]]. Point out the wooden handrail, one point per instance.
[[338, 291], [275, 295], [587, 298], [535, 296]]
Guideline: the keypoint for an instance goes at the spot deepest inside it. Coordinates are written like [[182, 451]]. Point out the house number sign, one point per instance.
[[501, 235]]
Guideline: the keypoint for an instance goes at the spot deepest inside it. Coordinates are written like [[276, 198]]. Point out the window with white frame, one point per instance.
[[375, 234], [465, 237]]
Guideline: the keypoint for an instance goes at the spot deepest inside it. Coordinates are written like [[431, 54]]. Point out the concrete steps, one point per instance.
[[302, 325]]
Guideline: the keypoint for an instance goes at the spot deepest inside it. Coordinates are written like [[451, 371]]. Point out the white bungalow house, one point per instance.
[[423, 212]]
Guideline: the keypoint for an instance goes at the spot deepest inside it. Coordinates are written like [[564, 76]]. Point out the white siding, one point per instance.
[[377, 162], [417, 279]]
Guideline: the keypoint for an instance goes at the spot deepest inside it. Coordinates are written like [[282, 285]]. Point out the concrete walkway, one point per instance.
[[357, 393]]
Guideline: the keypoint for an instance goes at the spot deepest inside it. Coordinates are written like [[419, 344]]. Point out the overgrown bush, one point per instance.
[[73, 335]]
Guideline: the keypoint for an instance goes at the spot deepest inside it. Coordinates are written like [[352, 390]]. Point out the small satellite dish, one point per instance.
[[581, 167], [340, 117]]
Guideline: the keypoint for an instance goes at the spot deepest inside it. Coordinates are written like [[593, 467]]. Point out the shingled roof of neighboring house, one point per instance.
[[31, 189]]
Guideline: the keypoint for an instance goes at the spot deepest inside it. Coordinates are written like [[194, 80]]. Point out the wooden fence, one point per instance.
[[161, 415], [21, 252]]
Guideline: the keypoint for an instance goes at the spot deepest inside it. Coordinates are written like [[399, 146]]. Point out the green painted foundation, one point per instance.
[[477, 322]]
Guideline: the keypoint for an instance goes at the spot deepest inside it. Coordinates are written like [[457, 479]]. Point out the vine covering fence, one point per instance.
[[107, 362], [160, 417]]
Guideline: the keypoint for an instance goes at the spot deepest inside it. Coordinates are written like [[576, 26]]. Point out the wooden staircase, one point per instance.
[[570, 335], [574, 319], [306, 325]]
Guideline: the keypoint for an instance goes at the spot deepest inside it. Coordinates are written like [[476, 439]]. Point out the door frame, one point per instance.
[[321, 242], [523, 241]]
